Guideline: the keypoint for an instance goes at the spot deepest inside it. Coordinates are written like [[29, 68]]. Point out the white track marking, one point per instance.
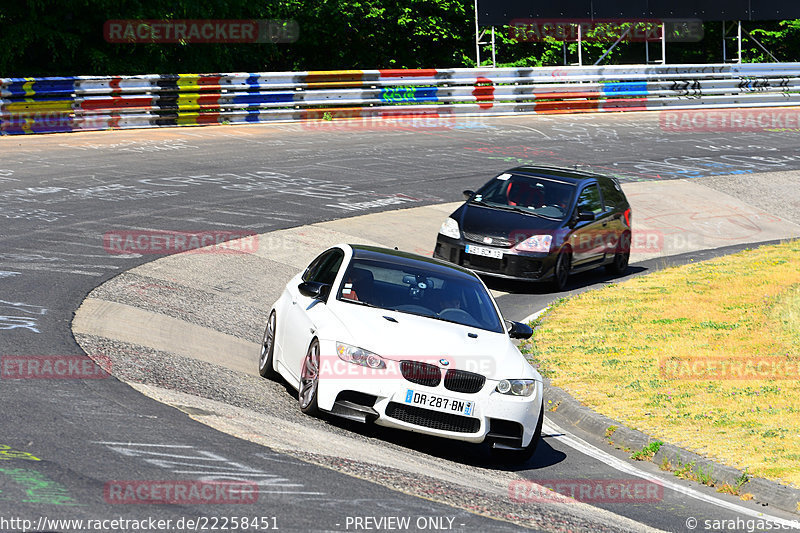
[[593, 452], [143, 444]]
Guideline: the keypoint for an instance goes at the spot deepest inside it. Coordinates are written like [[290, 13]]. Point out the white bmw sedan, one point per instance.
[[406, 341]]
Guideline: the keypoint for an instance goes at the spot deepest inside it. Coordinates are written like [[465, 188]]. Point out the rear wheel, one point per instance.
[[622, 256], [265, 362], [562, 268], [309, 380]]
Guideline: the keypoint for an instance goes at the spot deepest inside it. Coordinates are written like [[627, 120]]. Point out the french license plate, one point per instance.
[[442, 404], [485, 252]]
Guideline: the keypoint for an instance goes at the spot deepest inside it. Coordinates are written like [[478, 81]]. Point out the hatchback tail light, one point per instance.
[[627, 215]]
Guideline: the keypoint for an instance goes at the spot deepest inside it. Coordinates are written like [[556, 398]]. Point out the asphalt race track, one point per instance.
[[59, 194]]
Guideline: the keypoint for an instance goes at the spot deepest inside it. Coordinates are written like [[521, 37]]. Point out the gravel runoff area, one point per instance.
[[201, 307], [243, 405]]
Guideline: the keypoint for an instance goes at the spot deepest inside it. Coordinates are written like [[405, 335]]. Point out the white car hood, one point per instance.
[[419, 338]]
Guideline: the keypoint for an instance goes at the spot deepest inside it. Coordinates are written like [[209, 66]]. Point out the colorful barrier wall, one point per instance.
[[80, 103]]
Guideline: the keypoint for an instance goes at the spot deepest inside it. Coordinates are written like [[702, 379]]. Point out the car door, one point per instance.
[[302, 310], [614, 205], [588, 237]]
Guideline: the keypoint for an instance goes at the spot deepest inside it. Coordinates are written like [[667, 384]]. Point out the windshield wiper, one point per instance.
[[522, 210], [359, 302], [496, 206], [480, 202], [507, 207]]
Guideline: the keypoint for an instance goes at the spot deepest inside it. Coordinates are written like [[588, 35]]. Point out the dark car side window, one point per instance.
[[613, 198], [323, 269], [589, 200]]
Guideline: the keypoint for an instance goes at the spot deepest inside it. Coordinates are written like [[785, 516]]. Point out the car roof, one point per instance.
[[399, 257], [564, 174]]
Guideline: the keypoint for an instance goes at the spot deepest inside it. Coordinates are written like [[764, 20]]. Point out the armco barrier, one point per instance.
[[40, 105]]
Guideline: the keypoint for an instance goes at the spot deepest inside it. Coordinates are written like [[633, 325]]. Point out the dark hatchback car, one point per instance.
[[540, 224]]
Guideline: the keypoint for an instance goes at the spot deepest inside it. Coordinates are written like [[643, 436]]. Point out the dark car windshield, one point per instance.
[[529, 194], [419, 289]]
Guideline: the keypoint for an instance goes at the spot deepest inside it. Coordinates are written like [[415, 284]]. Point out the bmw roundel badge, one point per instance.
[[444, 362]]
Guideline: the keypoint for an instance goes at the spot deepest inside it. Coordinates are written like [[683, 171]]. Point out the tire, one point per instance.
[[622, 256], [265, 360], [562, 269], [522, 456], [309, 381]]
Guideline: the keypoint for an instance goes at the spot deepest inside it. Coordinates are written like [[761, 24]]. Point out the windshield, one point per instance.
[[529, 194], [421, 289]]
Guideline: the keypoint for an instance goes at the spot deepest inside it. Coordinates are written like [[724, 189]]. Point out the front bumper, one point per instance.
[[513, 265], [505, 419]]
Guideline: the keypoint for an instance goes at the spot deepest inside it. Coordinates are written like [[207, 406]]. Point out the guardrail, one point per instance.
[[80, 103]]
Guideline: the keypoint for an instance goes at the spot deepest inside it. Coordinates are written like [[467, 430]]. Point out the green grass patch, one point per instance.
[[612, 348]]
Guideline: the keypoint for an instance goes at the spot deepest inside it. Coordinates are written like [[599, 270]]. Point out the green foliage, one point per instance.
[[742, 479], [780, 38], [648, 451], [40, 38], [66, 38], [705, 476]]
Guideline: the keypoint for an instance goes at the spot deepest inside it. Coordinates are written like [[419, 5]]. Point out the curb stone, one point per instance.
[[764, 491]]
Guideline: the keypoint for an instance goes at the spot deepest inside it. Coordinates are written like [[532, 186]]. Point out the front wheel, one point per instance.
[[309, 381], [265, 361], [561, 270], [521, 456]]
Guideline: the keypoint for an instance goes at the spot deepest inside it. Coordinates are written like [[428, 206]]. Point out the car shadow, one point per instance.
[[451, 450], [575, 283]]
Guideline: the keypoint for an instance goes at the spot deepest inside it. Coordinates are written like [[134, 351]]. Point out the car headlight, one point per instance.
[[517, 387], [359, 356], [450, 229], [536, 243]]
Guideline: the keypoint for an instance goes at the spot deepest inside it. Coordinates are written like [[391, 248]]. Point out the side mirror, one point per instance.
[[468, 194], [518, 330], [314, 289]]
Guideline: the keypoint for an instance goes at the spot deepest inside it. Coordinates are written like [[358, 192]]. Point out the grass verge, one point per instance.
[[705, 356]]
